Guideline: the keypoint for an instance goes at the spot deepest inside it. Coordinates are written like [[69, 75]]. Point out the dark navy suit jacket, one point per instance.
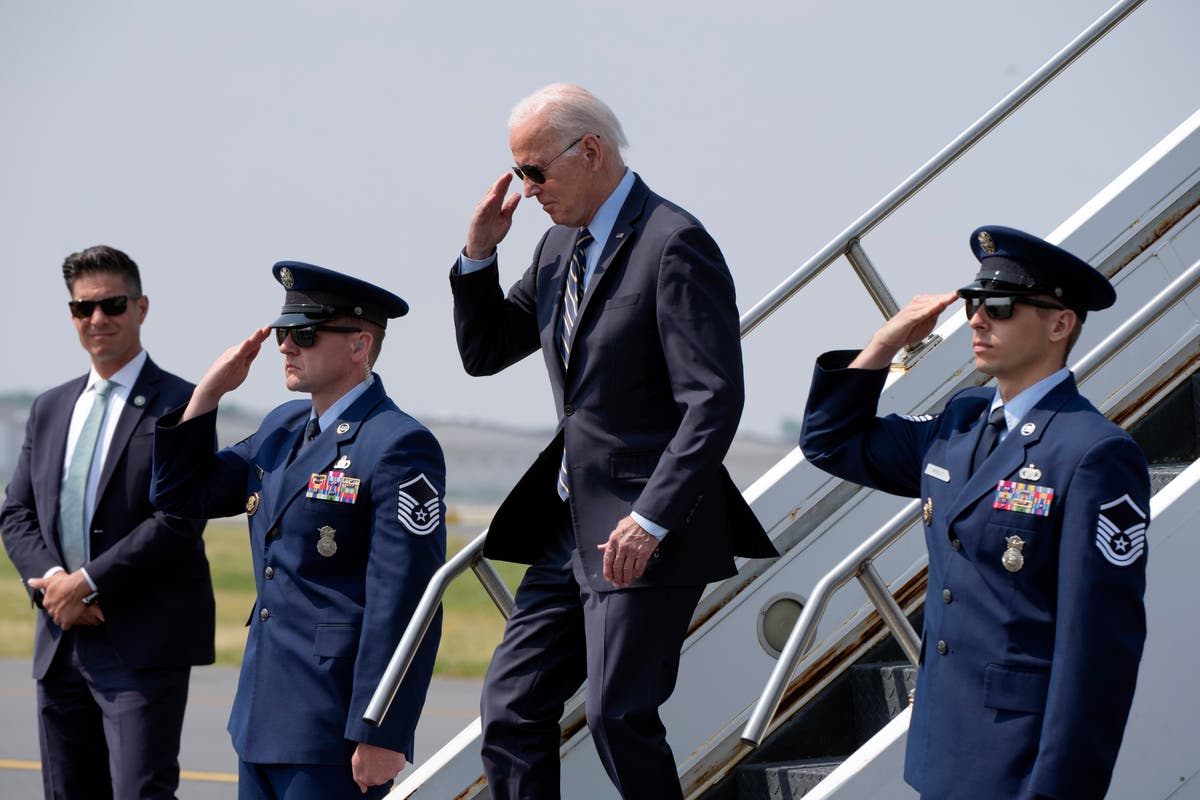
[[649, 404], [328, 616], [149, 566], [1026, 677]]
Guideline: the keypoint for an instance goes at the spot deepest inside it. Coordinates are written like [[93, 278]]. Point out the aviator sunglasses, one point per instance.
[[306, 336], [111, 306], [538, 174], [1002, 307]]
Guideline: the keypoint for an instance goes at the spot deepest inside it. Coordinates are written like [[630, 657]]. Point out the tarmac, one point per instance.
[[207, 762]]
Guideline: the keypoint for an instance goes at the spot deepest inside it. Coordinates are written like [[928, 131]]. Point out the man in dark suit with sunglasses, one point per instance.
[[628, 512], [1035, 514], [343, 494], [124, 590]]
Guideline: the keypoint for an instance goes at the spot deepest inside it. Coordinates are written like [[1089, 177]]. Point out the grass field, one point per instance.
[[471, 629]]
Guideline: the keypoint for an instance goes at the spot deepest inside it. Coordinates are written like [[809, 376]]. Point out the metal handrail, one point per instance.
[[470, 557], [930, 170], [860, 561], [848, 242]]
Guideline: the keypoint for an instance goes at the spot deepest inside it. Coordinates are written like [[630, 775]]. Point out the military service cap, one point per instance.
[[1014, 263], [315, 294]]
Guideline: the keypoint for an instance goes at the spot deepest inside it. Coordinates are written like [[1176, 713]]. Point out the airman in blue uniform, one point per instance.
[[1035, 514], [344, 498]]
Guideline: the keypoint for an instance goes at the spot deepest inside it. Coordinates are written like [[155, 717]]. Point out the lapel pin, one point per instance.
[[1028, 428], [343, 427], [139, 401]]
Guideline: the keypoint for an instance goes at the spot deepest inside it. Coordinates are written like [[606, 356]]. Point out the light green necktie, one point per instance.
[[72, 527]]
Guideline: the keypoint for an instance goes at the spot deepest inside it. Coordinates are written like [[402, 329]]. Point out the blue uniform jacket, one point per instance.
[[339, 569], [1026, 677]]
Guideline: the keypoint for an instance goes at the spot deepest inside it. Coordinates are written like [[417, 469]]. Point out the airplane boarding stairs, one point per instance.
[[1138, 357]]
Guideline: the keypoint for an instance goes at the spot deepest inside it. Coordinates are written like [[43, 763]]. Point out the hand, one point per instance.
[[910, 325], [627, 552], [373, 765], [225, 374], [62, 599], [492, 219]]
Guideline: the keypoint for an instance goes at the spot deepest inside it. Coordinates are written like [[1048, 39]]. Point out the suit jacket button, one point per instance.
[[947, 595], [269, 573], [568, 409], [942, 647], [265, 615], [956, 544]]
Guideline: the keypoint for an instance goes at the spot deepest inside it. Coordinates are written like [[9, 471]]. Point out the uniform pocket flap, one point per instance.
[[335, 641], [1014, 689], [623, 300], [626, 466]]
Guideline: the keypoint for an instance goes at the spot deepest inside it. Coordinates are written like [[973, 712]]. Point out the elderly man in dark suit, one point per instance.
[[126, 598], [628, 513], [1035, 513]]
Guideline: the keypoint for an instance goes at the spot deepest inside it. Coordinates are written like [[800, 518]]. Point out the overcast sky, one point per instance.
[[209, 140]]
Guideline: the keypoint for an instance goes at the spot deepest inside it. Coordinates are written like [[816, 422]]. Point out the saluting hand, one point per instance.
[[492, 219], [627, 552], [226, 374], [910, 325]]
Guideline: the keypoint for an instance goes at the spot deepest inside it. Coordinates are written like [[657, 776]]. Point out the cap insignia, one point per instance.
[[285, 277], [986, 243]]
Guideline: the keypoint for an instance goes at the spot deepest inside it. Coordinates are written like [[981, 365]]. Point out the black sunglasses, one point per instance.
[[538, 174], [306, 336], [1002, 307], [111, 306]]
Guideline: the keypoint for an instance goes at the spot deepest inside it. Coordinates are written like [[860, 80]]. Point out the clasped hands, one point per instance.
[[62, 598]]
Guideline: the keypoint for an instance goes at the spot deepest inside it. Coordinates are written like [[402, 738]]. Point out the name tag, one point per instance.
[[934, 471]]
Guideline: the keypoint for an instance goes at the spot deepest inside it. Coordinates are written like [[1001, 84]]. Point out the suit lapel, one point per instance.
[[1010, 454], [291, 482], [144, 389], [623, 231]]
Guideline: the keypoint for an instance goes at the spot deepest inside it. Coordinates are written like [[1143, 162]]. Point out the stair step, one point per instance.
[[782, 780], [880, 692]]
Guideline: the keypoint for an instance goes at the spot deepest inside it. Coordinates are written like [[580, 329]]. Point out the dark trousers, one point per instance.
[[107, 730], [302, 782], [626, 643]]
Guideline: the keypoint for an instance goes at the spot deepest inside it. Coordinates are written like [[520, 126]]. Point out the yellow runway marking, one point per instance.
[[186, 775]]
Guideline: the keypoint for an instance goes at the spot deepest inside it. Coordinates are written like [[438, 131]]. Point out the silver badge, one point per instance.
[[342, 463], [1030, 473], [285, 277], [1028, 428], [139, 401], [1013, 559], [986, 243], [343, 427], [326, 546]]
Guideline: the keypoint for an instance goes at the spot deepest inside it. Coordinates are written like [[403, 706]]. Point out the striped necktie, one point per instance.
[[72, 499], [572, 297]]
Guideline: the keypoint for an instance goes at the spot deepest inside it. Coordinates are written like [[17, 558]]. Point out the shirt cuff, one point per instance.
[[51, 571], [652, 528], [468, 265], [91, 582]]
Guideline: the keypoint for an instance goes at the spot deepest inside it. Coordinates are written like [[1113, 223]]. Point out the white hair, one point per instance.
[[571, 111]]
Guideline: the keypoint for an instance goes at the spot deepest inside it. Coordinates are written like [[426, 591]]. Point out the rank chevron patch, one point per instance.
[[418, 506], [1121, 531]]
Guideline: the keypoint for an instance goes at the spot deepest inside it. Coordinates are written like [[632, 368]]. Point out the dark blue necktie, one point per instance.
[[572, 297], [989, 438]]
